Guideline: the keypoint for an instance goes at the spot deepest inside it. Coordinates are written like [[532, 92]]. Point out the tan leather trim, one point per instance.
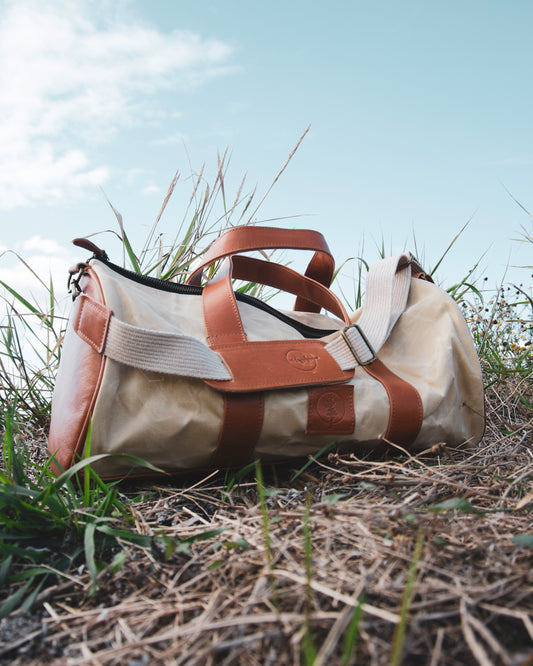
[[77, 385], [331, 411], [243, 420], [247, 238], [222, 320], [243, 413], [258, 366], [92, 322], [406, 410], [86, 244], [221, 314], [281, 277], [264, 365]]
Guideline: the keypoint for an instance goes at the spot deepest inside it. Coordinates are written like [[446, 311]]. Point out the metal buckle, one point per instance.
[[75, 274], [365, 340]]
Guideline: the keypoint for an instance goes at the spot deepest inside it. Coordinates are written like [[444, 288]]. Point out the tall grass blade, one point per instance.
[[291, 155], [312, 459], [14, 600], [265, 522], [264, 515], [454, 240], [308, 643], [23, 301], [352, 633], [125, 240], [88, 542], [401, 628]]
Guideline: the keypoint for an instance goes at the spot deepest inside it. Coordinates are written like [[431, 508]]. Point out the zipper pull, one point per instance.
[[86, 244]]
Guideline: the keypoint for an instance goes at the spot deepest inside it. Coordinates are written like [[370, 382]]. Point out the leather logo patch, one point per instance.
[[302, 360], [331, 411], [330, 407]]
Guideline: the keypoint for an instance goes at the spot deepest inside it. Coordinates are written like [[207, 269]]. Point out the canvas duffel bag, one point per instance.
[[201, 377]]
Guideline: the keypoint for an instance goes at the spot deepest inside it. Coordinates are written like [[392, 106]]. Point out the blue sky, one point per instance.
[[420, 115]]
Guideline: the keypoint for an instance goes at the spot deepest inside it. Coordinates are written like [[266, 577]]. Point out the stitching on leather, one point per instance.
[[79, 318], [384, 380], [229, 291], [87, 304], [281, 382], [78, 446]]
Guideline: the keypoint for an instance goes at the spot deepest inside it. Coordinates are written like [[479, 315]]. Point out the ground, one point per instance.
[[355, 558]]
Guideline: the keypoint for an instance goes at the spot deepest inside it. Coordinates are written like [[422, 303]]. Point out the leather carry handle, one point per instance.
[[263, 365], [248, 238], [286, 279], [221, 313]]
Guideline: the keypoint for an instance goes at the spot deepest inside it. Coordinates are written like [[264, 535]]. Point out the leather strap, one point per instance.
[[262, 365], [243, 413], [248, 238], [221, 314], [223, 324], [284, 278], [276, 364], [243, 419], [406, 410]]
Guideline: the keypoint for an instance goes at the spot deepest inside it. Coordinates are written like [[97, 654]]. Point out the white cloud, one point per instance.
[[72, 73], [29, 272], [150, 189], [45, 245]]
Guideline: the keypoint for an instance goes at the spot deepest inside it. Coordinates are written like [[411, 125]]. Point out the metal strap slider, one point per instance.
[[345, 335]]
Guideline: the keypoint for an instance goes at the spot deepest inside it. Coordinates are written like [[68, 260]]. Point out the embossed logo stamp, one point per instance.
[[331, 410], [330, 407], [302, 360]]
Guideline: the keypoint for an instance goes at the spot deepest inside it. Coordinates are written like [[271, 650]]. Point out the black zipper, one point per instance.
[[178, 288]]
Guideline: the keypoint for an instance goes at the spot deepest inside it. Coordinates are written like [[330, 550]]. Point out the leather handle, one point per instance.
[[284, 278], [259, 366], [221, 313], [248, 238]]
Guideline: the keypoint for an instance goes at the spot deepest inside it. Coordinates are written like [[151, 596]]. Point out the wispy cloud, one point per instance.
[[28, 269], [45, 246], [73, 73], [150, 189]]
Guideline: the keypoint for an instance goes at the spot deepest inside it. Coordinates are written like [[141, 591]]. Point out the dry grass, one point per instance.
[[223, 602]]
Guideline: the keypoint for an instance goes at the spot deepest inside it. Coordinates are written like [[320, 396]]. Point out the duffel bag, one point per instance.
[[192, 377]]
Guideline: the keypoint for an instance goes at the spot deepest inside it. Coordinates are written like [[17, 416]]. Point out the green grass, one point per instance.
[[398, 639], [49, 524]]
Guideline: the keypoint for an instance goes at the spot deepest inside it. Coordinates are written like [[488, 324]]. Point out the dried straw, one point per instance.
[[472, 599]]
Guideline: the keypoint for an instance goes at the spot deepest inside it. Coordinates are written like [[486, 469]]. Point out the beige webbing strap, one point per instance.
[[159, 351], [146, 349], [387, 289]]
